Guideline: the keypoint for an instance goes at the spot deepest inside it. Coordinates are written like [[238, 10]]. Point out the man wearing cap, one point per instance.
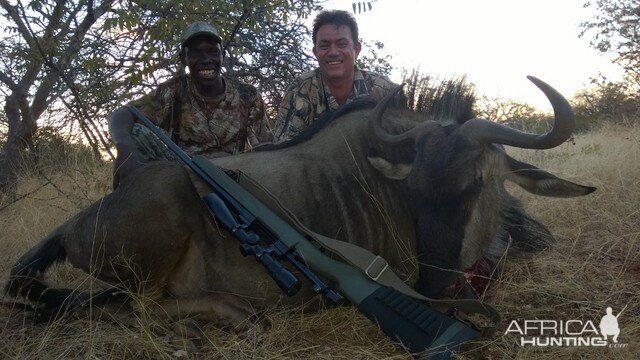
[[335, 82], [204, 112]]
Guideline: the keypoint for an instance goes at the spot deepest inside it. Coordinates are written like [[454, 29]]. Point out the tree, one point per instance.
[[616, 28], [504, 110], [271, 57], [373, 58], [605, 100], [513, 114], [76, 59], [44, 40]]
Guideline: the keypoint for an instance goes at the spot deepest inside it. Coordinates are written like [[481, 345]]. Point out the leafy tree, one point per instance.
[[616, 28], [504, 110], [605, 101], [271, 57], [43, 39], [374, 59], [513, 114]]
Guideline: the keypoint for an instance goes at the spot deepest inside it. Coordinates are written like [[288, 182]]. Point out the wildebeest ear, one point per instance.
[[540, 182], [389, 170]]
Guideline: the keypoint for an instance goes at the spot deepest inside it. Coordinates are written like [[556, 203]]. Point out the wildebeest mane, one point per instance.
[[448, 100]]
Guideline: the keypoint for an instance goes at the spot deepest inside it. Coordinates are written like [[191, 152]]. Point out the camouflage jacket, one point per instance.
[[232, 122], [307, 97]]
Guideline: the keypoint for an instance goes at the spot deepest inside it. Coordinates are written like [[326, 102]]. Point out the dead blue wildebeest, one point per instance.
[[427, 195]]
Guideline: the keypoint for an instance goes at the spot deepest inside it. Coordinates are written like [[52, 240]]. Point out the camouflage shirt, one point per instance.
[[233, 122], [307, 97]]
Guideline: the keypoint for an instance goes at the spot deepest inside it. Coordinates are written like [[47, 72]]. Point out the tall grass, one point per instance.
[[594, 264]]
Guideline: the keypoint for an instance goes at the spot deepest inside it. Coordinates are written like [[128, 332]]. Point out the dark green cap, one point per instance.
[[199, 28]]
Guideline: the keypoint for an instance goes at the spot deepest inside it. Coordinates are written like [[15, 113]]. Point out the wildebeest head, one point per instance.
[[455, 182]]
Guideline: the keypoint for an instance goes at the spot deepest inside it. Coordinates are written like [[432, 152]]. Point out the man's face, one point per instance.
[[203, 57], [336, 52]]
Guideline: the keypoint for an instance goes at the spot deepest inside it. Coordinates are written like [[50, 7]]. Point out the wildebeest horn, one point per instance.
[[483, 131], [375, 123]]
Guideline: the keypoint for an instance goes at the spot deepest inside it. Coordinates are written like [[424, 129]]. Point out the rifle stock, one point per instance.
[[402, 318]]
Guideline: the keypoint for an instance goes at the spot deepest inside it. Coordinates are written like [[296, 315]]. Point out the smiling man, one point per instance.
[[335, 82], [204, 112]]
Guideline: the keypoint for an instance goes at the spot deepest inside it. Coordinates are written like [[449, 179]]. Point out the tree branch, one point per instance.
[[8, 81], [239, 23], [12, 12]]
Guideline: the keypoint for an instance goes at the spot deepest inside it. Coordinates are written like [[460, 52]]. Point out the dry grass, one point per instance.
[[593, 265]]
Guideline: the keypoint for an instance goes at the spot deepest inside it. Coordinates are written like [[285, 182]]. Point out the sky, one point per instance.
[[496, 43]]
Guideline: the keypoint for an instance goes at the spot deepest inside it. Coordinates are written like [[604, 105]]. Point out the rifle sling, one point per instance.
[[375, 267]]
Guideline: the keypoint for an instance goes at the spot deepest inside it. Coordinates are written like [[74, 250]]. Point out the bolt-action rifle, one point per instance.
[[401, 317]]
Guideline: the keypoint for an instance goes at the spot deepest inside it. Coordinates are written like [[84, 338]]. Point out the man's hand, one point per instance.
[[129, 158]]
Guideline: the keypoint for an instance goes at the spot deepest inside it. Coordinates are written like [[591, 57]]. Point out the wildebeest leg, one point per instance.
[[123, 238], [26, 280], [26, 275]]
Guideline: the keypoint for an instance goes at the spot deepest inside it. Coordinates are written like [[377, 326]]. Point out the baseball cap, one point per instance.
[[199, 28]]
